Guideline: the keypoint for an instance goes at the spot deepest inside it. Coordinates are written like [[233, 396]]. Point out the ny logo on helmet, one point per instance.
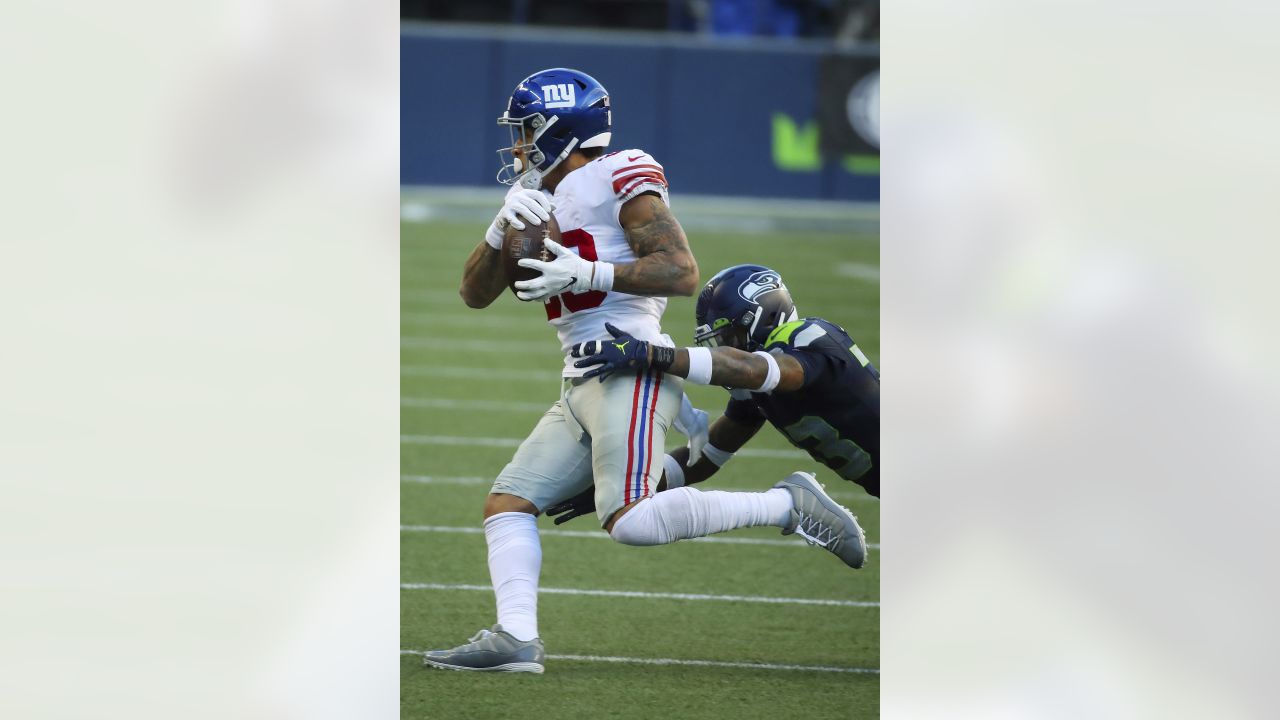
[[558, 96], [758, 284]]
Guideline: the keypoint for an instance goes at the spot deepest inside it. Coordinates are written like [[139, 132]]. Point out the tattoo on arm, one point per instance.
[[665, 265], [735, 368], [482, 277]]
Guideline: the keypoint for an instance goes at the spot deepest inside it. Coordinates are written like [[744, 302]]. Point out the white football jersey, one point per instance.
[[587, 203]]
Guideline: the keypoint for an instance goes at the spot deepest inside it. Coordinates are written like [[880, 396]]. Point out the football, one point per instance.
[[527, 243]]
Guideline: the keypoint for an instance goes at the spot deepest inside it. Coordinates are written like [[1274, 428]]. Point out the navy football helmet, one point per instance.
[[550, 114], [740, 306]]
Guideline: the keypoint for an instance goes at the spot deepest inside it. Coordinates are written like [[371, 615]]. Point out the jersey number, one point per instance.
[[576, 302], [825, 445]]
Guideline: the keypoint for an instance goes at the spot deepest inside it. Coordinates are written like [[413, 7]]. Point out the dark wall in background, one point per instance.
[[722, 121]]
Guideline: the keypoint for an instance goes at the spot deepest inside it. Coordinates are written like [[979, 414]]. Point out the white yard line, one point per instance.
[[509, 407], [478, 405], [474, 321], [602, 535], [519, 347], [446, 480], [452, 371], [847, 497], [654, 595], [433, 297], [515, 442], [859, 271], [695, 663], [454, 440]]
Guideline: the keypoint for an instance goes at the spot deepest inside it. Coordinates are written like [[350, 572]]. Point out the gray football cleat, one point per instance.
[[492, 650], [822, 521]]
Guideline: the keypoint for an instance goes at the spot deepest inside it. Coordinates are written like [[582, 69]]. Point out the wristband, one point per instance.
[[663, 356], [602, 276], [716, 455], [772, 377], [699, 365], [675, 473], [493, 236]]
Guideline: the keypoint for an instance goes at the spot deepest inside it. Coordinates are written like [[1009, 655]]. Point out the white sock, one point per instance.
[[515, 559], [685, 513]]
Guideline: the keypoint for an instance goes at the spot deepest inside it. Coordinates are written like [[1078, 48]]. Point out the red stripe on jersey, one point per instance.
[[631, 443], [639, 172], [643, 175], [629, 168], [641, 181], [648, 461]]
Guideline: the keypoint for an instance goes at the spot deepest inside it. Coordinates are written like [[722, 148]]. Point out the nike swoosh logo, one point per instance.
[[633, 159]]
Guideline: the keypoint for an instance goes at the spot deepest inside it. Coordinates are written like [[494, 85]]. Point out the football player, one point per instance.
[[806, 377], [622, 253]]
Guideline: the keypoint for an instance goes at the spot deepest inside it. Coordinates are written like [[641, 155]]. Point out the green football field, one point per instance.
[[746, 625]]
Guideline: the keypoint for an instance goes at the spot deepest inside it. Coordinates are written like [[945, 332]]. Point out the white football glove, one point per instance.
[[521, 204], [567, 273], [692, 423]]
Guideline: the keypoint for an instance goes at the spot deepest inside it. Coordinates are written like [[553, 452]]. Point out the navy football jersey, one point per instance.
[[835, 415]]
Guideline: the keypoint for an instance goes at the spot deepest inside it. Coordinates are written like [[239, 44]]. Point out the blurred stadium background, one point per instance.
[[765, 117]]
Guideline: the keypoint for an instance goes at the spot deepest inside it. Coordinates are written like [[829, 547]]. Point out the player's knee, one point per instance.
[[497, 503], [636, 524]]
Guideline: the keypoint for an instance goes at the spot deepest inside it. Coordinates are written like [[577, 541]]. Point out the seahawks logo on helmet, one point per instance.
[[765, 281]]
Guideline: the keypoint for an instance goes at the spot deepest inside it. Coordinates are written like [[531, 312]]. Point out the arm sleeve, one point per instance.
[[743, 412]]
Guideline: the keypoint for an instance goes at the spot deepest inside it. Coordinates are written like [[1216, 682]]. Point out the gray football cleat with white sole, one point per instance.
[[822, 521], [492, 650]]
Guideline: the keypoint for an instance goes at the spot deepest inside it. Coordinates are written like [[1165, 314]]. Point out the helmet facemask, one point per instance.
[[720, 334], [524, 133]]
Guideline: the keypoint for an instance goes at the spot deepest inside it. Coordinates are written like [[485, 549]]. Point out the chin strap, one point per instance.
[[533, 178]]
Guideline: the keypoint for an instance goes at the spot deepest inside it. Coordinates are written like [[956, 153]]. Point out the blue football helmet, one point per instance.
[[740, 306], [551, 113]]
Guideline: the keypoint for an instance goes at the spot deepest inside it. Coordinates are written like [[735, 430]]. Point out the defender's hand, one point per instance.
[[692, 423], [624, 352], [567, 273], [580, 504]]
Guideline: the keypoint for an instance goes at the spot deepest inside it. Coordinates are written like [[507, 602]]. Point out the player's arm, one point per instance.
[[760, 371], [733, 368], [664, 265], [727, 435], [482, 276]]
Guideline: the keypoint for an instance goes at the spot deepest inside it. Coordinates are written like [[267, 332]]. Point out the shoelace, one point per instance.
[[815, 533], [484, 632]]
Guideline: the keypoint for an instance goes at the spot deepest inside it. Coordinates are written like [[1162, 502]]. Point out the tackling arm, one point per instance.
[[727, 435], [729, 367], [665, 265], [733, 368]]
